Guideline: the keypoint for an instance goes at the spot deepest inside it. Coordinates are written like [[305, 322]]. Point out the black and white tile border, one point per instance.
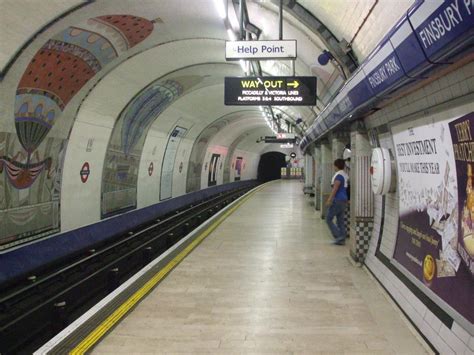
[[362, 242]]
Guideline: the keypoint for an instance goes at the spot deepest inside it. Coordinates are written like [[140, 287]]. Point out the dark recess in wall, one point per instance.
[[269, 167]]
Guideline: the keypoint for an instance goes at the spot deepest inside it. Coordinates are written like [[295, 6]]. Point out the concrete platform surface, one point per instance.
[[267, 280]]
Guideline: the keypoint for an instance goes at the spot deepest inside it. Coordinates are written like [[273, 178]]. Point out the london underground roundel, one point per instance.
[[85, 172], [380, 171]]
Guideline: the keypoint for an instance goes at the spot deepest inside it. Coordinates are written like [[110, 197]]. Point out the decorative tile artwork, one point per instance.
[[31, 160]]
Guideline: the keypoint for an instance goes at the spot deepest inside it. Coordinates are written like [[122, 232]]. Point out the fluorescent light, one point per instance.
[[231, 34], [243, 64], [233, 20], [220, 8]]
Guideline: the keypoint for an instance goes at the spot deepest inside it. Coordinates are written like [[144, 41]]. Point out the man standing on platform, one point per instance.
[[337, 203]]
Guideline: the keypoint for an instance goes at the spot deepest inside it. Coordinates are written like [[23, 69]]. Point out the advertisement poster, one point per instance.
[[238, 168], [462, 131], [212, 176], [429, 226]]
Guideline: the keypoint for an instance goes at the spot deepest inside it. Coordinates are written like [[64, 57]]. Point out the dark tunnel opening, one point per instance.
[[269, 167]]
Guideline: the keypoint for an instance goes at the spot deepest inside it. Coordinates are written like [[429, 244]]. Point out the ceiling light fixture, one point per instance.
[[220, 8], [231, 34], [243, 64]]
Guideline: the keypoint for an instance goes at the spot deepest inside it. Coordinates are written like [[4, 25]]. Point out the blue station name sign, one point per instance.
[[275, 90]]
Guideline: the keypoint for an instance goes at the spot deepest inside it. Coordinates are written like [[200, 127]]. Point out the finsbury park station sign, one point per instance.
[[257, 91]]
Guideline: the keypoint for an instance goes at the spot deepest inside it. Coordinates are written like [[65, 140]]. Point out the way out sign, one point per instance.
[[279, 91]]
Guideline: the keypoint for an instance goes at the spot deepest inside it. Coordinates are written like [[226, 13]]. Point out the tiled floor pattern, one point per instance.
[[267, 280]]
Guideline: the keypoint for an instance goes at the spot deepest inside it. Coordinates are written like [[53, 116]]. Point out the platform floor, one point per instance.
[[267, 280]]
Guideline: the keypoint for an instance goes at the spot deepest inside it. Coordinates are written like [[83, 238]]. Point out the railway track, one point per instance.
[[36, 308]]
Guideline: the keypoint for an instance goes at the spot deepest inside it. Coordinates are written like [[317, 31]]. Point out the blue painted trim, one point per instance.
[[21, 262], [411, 51]]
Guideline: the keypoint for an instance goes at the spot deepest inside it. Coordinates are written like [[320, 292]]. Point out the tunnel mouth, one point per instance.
[[269, 166]]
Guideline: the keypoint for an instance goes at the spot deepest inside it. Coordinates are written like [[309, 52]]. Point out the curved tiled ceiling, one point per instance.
[[265, 16], [114, 79], [361, 23], [15, 34], [223, 130], [169, 27]]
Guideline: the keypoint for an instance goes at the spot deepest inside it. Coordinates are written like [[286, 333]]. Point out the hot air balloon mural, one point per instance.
[[57, 72], [122, 160], [126, 144], [53, 77], [143, 111]]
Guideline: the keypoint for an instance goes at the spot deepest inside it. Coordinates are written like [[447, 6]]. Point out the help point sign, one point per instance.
[[285, 49]]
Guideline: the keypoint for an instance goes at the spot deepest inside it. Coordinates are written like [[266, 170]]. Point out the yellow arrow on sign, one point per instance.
[[294, 84]]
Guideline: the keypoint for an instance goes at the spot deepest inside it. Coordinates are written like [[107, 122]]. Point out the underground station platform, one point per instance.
[[262, 276]]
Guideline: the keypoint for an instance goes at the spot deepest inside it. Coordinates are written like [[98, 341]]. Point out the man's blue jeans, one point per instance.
[[338, 210]]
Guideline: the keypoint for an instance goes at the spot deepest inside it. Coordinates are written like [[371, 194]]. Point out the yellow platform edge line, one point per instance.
[[93, 337]]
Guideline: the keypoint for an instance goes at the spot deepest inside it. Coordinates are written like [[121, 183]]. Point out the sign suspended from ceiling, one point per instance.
[[284, 49], [284, 135], [275, 90], [281, 138]]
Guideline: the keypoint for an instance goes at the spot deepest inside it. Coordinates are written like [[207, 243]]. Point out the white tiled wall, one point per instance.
[[337, 148], [456, 84], [444, 90], [387, 245], [373, 29], [16, 31], [326, 175], [344, 17]]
